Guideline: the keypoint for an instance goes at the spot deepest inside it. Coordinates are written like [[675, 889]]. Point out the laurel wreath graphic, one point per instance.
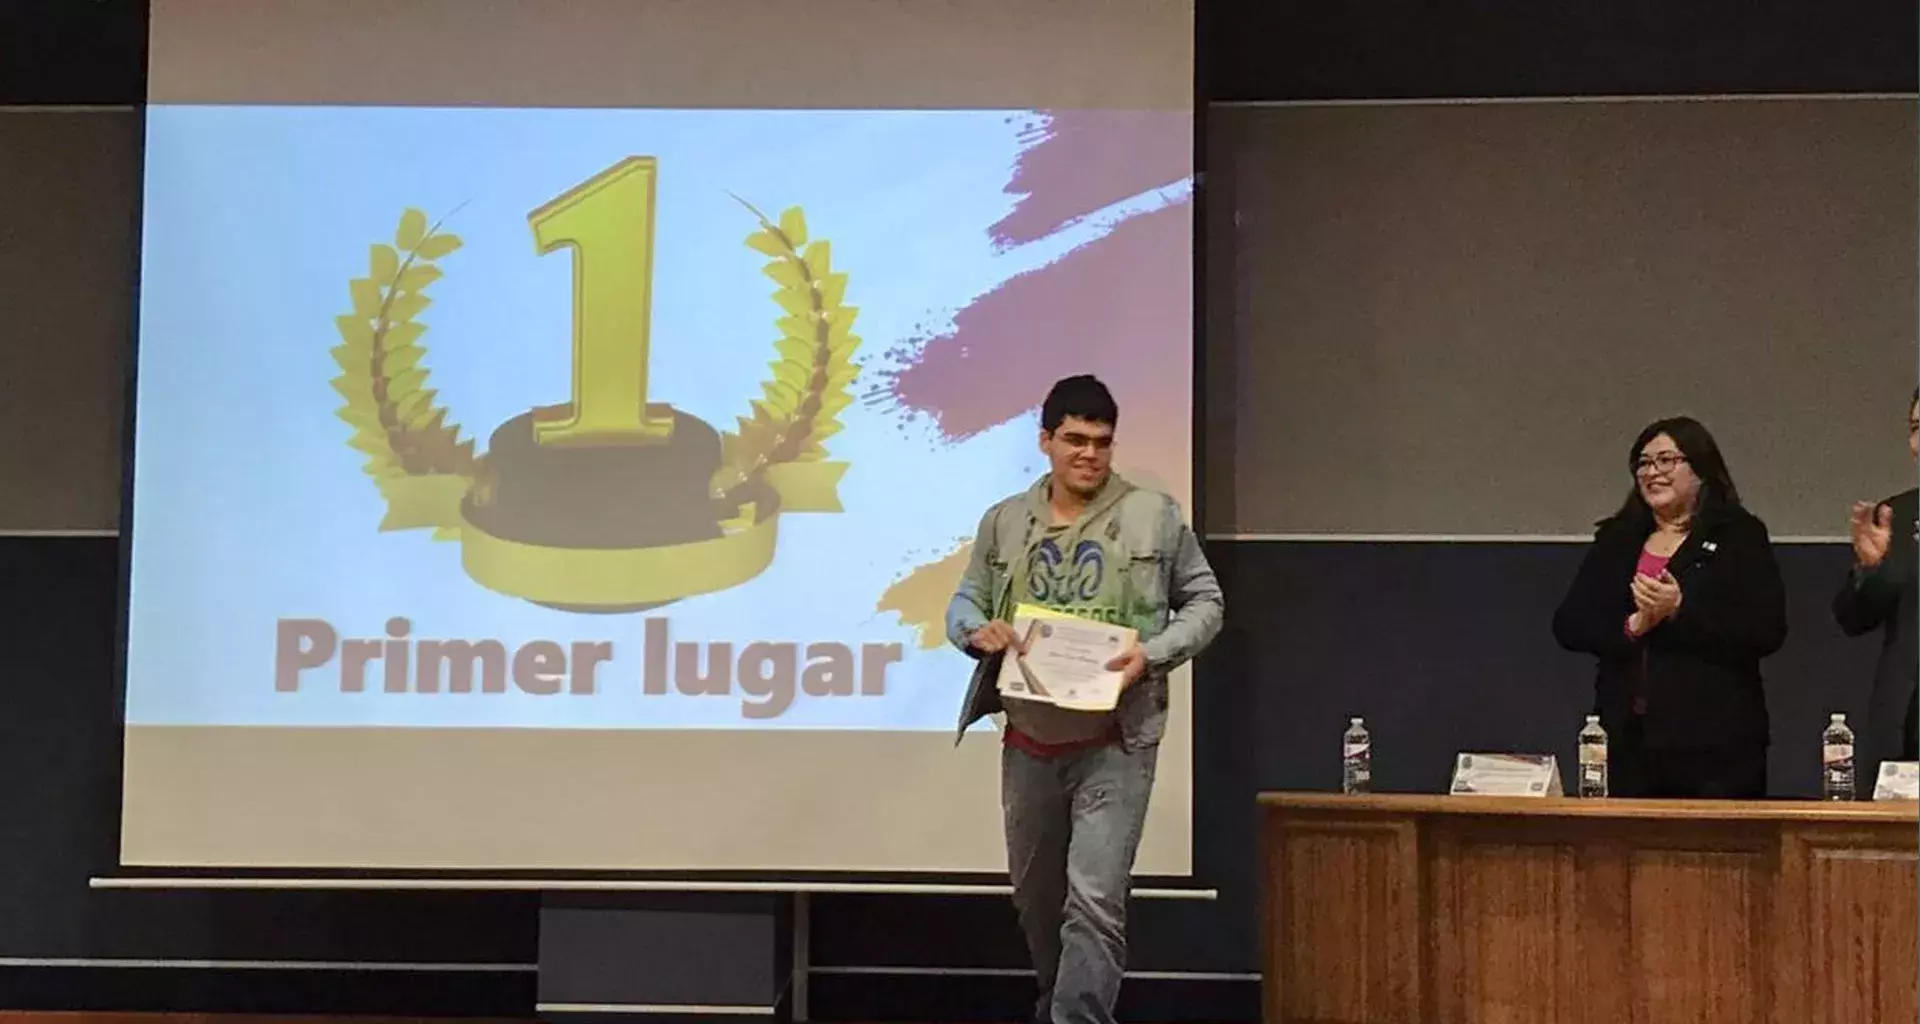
[[396, 423], [799, 405], [415, 453]]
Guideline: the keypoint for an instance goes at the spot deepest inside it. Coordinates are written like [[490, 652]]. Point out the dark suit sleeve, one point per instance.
[[1868, 598], [1742, 618], [1864, 602], [1592, 617]]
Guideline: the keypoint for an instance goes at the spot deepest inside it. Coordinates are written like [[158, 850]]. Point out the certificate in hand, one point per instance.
[[1065, 663]]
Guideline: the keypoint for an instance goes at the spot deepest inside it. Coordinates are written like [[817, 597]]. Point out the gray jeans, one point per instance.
[[1073, 825]]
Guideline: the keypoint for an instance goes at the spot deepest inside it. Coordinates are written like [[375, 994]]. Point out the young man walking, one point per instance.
[[1075, 784]]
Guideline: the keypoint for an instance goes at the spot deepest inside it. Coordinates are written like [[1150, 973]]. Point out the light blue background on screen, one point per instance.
[[249, 506]]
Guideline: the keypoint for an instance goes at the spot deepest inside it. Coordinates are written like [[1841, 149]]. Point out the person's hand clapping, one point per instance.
[[994, 637], [1872, 533], [1655, 599]]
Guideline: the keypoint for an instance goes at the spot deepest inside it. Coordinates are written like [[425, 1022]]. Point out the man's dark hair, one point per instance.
[[1082, 396]]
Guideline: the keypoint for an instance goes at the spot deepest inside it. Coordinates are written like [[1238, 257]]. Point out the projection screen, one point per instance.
[[560, 424]]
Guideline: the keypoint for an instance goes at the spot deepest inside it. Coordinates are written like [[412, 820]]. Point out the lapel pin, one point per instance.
[[1710, 547]]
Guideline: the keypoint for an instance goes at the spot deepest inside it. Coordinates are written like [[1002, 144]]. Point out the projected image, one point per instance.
[[616, 418]]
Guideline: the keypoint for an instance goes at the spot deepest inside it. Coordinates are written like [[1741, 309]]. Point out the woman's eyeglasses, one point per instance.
[[1661, 463]]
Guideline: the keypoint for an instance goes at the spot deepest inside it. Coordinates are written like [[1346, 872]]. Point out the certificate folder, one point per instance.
[[1062, 660]]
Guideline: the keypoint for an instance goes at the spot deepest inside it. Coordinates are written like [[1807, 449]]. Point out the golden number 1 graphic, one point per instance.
[[608, 222]]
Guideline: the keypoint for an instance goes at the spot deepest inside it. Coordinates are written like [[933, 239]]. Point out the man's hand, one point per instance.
[[1872, 533], [1131, 664], [1655, 599], [994, 637]]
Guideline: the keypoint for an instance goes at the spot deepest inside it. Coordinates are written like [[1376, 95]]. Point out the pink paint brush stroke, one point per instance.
[[1078, 161], [1119, 307]]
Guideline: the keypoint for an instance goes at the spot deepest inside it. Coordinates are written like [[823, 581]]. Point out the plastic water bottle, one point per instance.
[[1836, 759], [1356, 758], [1593, 758]]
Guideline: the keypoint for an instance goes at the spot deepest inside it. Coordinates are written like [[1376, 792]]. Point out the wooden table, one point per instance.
[[1493, 910]]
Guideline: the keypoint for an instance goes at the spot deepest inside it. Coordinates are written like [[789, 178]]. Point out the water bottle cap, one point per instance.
[[1836, 717], [1593, 719], [1355, 720]]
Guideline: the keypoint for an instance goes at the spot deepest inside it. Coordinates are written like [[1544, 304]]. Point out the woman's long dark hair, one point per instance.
[[1719, 498]]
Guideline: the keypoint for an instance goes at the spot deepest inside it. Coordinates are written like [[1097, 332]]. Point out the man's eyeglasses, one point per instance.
[[1077, 441]]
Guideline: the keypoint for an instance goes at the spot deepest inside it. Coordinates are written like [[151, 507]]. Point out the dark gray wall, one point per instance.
[[69, 189], [1431, 672], [1453, 319]]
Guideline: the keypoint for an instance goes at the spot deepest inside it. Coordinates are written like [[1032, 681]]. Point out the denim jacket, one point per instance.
[[1167, 570]]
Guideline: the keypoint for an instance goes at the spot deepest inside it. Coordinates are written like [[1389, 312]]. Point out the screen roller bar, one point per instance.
[[603, 885]]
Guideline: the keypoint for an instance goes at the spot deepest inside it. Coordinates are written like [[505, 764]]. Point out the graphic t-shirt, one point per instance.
[[1076, 572]]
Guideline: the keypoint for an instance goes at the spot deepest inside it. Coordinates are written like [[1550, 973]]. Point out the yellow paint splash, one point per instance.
[[921, 597]]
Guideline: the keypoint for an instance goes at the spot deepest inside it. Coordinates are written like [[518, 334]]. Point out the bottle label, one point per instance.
[[1595, 754], [1836, 753], [1355, 749]]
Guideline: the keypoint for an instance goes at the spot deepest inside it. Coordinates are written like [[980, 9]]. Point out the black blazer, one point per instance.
[[1885, 599], [1700, 670]]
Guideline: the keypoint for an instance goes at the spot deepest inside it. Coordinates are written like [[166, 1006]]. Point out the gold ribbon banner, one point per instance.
[[417, 502], [807, 486], [615, 577]]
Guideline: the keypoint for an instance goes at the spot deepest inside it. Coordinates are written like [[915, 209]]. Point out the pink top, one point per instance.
[[1650, 564], [1653, 565]]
